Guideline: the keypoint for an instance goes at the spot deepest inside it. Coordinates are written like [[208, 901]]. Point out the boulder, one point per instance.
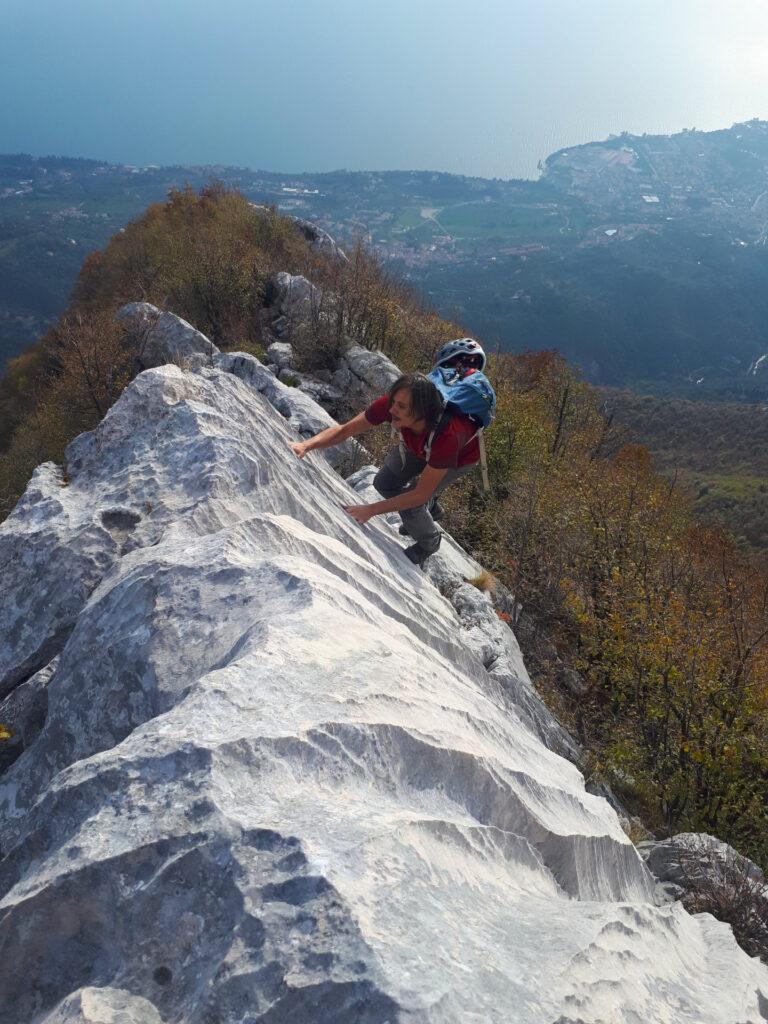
[[138, 316], [280, 353], [693, 858], [103, 1006], [324, 394], [295, 297], [172, 340], [370, 373]]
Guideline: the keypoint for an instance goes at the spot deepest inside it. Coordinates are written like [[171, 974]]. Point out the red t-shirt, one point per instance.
[[454, 445]]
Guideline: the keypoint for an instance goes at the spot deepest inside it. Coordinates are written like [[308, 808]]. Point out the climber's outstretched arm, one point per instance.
[[332, 435], [419, 495]]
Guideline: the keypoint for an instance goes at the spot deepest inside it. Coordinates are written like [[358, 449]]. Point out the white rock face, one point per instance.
[[280, 778], [103, 1006], [296, 296], [166, 337], [281, 354], [363, 373], [296, 405], [138, 316]]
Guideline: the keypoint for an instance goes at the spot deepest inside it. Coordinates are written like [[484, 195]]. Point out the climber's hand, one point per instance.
[[300, 448], [360, 513]]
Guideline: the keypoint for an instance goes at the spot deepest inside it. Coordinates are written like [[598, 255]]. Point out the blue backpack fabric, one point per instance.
[[471, 395]]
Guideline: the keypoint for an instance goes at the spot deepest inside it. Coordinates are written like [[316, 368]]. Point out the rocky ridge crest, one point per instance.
[[273, 772]]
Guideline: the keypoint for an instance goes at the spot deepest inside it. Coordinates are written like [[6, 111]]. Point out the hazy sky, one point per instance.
[[483, 87]]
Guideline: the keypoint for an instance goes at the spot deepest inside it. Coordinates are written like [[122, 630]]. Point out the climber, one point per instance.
[[437, 446]]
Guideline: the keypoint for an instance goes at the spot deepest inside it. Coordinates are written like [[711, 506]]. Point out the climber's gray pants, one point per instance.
[[398, 474]]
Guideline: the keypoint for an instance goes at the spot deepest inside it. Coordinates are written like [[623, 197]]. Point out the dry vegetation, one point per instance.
[[210, 259], [719, 452]]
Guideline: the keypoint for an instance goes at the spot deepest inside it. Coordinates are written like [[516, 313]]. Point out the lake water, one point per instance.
[[485, 88]]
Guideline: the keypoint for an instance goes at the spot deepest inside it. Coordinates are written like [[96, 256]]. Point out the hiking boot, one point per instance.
[[417, 555]]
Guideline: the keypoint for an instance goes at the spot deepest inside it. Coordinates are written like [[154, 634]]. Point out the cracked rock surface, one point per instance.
[[280, 776]]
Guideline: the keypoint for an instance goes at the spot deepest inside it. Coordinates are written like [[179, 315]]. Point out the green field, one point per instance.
[[491, 221]]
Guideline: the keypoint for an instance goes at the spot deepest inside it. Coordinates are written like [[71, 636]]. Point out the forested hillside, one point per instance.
[[717, 450]]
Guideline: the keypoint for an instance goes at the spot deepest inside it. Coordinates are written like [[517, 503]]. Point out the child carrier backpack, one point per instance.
[[468, 393]]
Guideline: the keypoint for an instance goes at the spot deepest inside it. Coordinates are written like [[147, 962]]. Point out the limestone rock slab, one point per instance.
[[276, 783]]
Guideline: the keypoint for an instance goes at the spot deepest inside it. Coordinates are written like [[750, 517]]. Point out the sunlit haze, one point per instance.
[[483, 88]]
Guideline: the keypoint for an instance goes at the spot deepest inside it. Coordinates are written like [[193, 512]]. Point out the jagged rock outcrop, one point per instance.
[[280, 355], [165, 337], [696, 862], [280, 778], [320, 241], [138, 316], [362, 373], [293, 301]]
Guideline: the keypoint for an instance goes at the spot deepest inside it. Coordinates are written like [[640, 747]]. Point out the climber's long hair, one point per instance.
[[426, 400]]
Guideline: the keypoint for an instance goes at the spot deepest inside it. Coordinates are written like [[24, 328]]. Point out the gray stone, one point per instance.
[[569, 679], [370, 373], [690, 858], [173, 340], [324, 394], [276, 780], [23, 712], [280, 326], [138, 316], [289, 376], [280, 353], [103, 1006], [296, 297], [66, 550], [668, 892], [342, 378], [320, 241]]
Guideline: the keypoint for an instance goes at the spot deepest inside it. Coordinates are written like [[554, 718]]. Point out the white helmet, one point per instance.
[[459, 347]]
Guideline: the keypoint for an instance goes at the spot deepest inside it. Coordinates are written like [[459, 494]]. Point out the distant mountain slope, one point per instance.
[[718, 175], [641, 259], [672, 308], [53, 212]]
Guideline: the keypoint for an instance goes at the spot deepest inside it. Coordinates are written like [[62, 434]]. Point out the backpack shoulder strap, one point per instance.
[[442, 423]]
